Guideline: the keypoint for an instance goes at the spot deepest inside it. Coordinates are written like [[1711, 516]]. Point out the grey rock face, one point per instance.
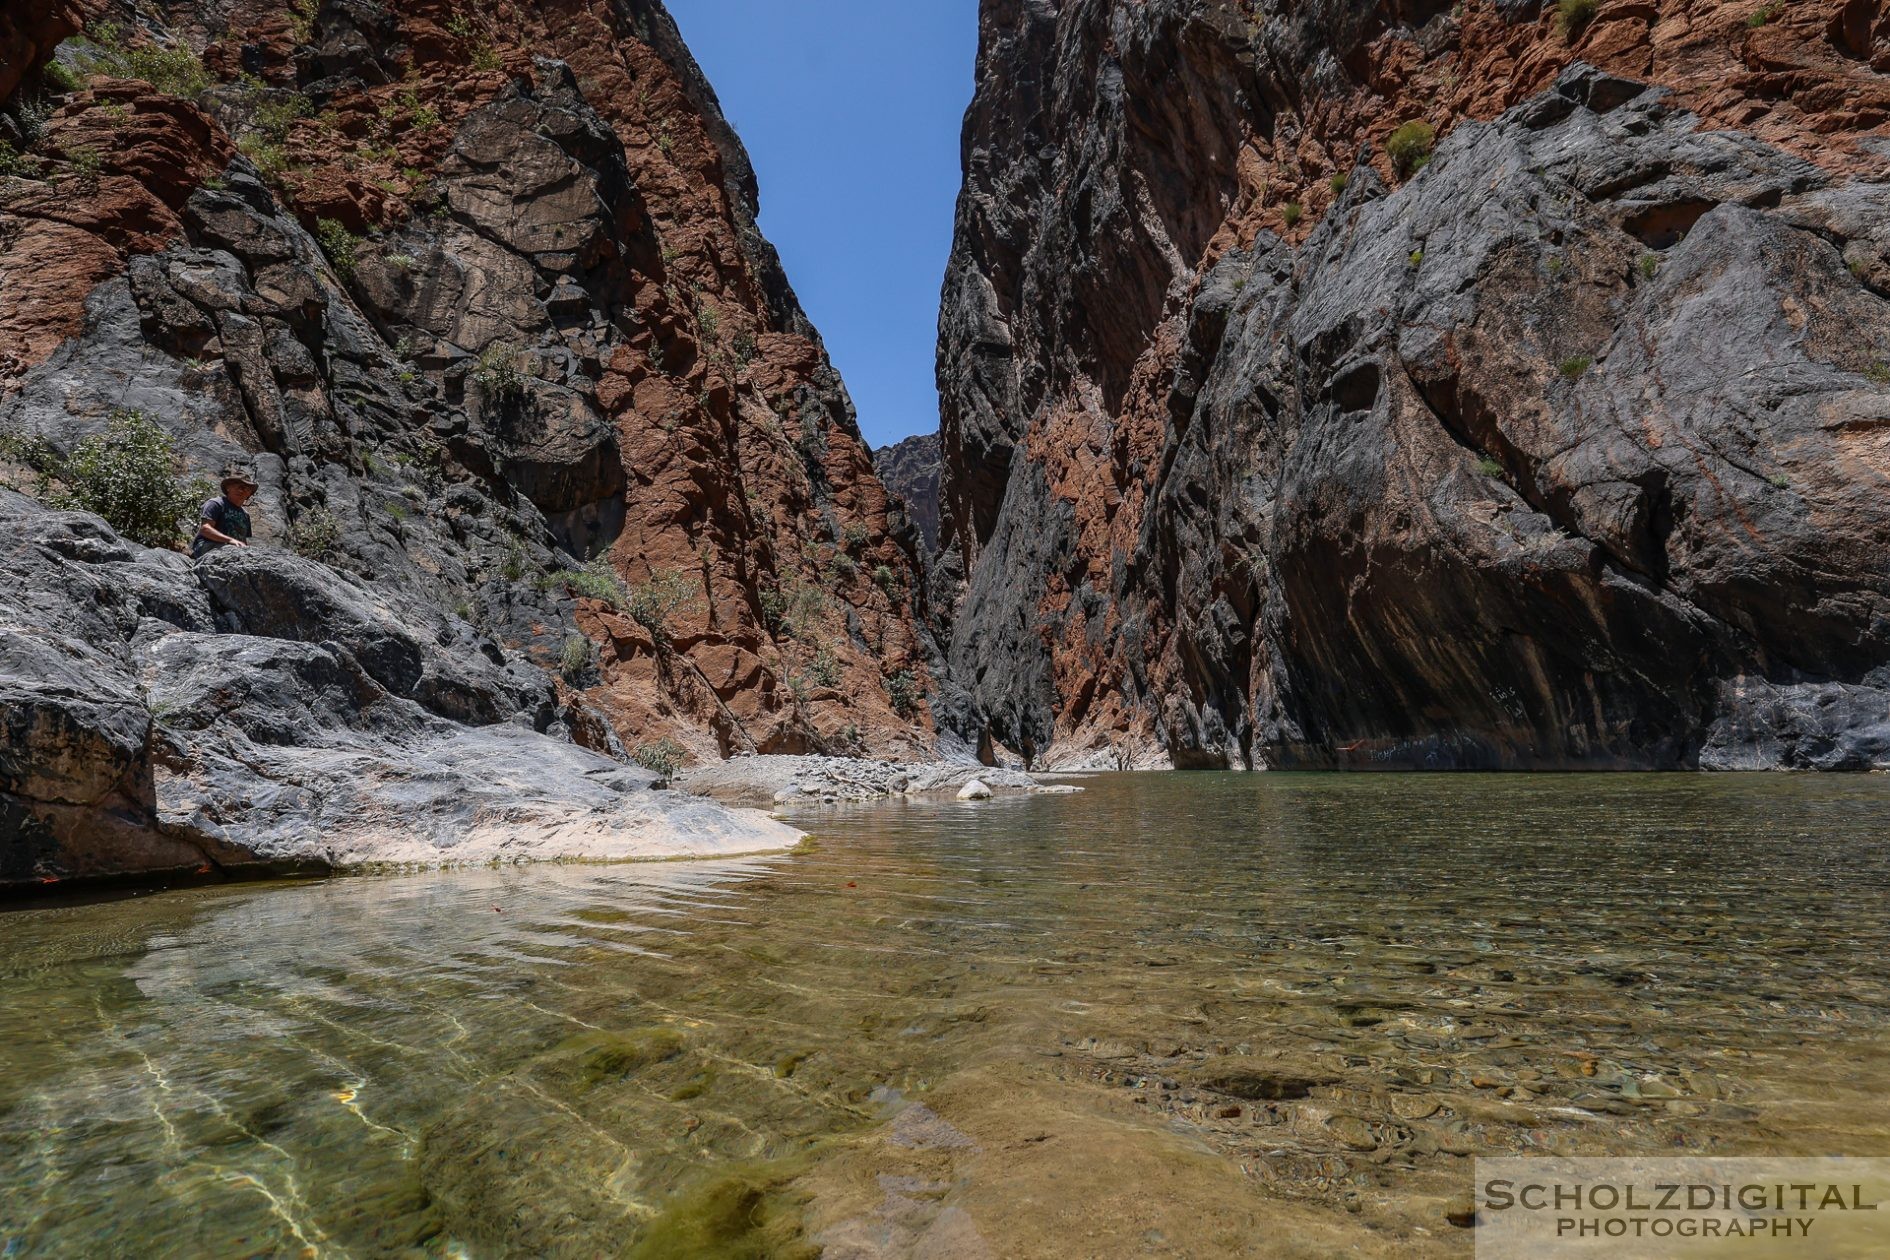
[[1564, 452], [1509, 469], [910, 469], [160, 718]]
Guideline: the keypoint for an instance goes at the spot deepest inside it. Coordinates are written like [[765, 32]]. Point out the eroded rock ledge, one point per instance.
[[258, 712]]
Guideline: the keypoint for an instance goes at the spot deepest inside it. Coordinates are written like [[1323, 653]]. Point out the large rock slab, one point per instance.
[[137, 739]]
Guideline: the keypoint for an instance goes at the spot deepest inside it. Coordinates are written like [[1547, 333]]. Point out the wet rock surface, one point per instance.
[[1527, 445]]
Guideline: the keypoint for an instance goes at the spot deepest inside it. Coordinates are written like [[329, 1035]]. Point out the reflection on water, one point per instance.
[[1170, 1016]]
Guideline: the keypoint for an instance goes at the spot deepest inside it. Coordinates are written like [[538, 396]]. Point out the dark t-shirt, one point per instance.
[[222, 515]]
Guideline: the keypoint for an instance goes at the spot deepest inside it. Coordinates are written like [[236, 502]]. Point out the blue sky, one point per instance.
[[851, 110]]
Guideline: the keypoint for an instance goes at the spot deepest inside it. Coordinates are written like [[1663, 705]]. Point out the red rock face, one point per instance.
[[28, 35], [539, 207], [1118, 154]]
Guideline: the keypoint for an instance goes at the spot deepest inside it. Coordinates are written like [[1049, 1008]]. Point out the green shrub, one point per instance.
[[173, 71], [903, 690], [773, 607], [825, 669], [485, 57], [1574, 366], [845, 566], [86, 167], [315, 534], [888, 580], [128, 475], [664, 757], [1650, 266], [270, 158], [1291, 212], [796, 609], [1766, 14], [1489, 467], [1573, 16], [60, 78], [1878, 373], [276, 118], [709, 320], [1417, 258], [339, 244], [651, 604], [1409, 146], [574, 660], [302, 19], [596, 580], [13, 162], [1338, 183], [497, 374]]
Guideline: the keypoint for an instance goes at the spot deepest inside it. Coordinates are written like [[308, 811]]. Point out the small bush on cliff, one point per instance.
[[1292, 212], [497, 374], [315, 534], [276, 117], [887, 579], [1338, 183], [1573, 16], [60, 78], [1409, 146], [903, 691], [302, 19], [128, 475], [825, 669], [1489, 467], [597, 580], [1574, 365], [574, 661], [663, 757], [653, 603], [13, 162], [87, 164], [172, 71], [1765, 15], [339, 244]]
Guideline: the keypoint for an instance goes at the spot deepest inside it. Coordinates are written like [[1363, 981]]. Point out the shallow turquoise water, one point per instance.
[[1314, 995]]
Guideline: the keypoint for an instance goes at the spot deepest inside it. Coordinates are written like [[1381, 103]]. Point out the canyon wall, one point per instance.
[[1337, 383], [477, 293]]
